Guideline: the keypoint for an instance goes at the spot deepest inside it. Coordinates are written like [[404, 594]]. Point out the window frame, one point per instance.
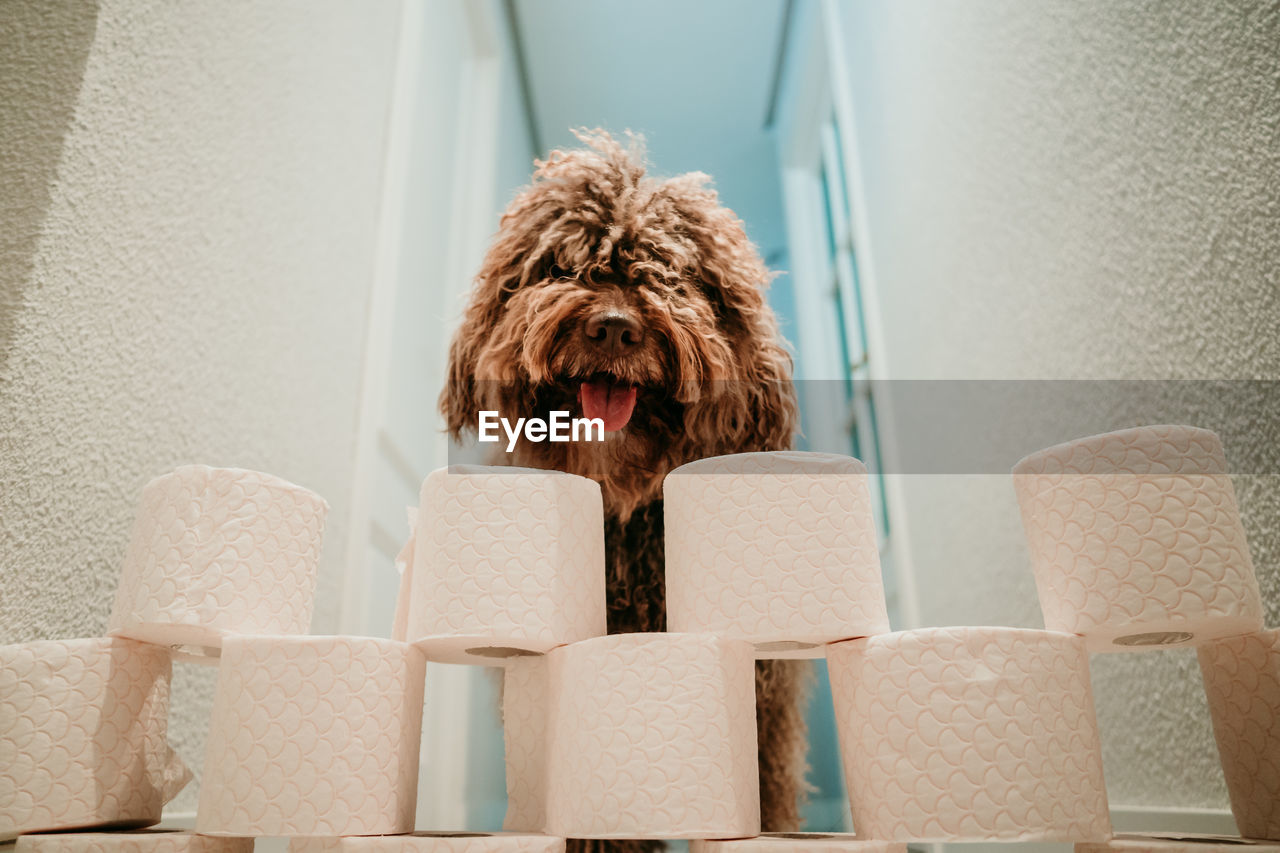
[[817, 134]]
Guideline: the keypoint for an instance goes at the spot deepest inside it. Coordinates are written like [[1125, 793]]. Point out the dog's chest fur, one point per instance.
[[635, 572]]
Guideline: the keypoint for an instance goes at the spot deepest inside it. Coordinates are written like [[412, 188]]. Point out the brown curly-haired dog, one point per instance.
[[639, 301]]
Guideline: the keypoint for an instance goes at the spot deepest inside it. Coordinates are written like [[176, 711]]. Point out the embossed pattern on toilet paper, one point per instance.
[[216, 551], [525, 703], [798, 842], [653, 736], [1137, 532], [313, 736], [433, 842], [1242, 683], [773, 548], [507, 557], [82, 734], [1176, 843], [145, 841], [969, 734]]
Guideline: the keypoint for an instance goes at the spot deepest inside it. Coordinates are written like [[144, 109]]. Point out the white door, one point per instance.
[[437, 213]]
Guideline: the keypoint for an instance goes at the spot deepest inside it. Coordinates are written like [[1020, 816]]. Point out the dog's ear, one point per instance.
[[773, 416], [753, 405], [755, 410]]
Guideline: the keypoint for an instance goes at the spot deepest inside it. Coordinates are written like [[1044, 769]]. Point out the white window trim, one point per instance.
[[821, 88]]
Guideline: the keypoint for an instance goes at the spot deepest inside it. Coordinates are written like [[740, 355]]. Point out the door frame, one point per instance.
[[447, 720], [819, 89]]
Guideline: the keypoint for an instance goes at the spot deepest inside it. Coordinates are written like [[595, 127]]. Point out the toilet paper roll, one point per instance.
[[1242, 682], [218, 551], [505, 560], [525, 703], [1170, 843], [969, 734], [1136, 540], [433, 842], [140, 841], [798, 842], [775, 548], [653, 736], [313, 736], [82, 735]]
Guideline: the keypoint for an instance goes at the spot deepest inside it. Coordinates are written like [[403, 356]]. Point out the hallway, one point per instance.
[[243, 235]]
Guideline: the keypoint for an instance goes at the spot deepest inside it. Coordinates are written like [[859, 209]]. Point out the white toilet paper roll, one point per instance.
[[1171, 843], [313, 736], [433, 842], [140, 841], [969, 734], [775, 548], [82, 735], [653, 736], [1242, 682], [506, 560], [217, 551], [1136, 540], [798, 842], [525, 704]]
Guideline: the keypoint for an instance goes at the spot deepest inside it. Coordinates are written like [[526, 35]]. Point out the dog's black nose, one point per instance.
[[614, 331]]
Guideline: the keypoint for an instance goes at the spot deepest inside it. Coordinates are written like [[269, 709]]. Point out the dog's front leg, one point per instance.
[[595, 845], [782, 695]]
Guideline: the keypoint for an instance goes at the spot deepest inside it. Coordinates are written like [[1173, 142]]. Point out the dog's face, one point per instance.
[[636, 301]]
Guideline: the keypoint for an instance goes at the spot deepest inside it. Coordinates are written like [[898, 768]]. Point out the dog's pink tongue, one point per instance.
[[610, 403]]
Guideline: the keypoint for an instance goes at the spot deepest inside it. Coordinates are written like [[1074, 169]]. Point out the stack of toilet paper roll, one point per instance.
[[317, 737], [308, 735], [1136, 543], [83, 723], [947, 734], [630, 736], [958, 734], [653, 735], [503, 566]]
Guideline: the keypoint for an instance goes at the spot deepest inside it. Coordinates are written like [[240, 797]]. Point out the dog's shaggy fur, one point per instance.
[[593, 234]]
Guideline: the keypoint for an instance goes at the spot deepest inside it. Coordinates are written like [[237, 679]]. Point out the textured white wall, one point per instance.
[[189, 201], [1068, 189]]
